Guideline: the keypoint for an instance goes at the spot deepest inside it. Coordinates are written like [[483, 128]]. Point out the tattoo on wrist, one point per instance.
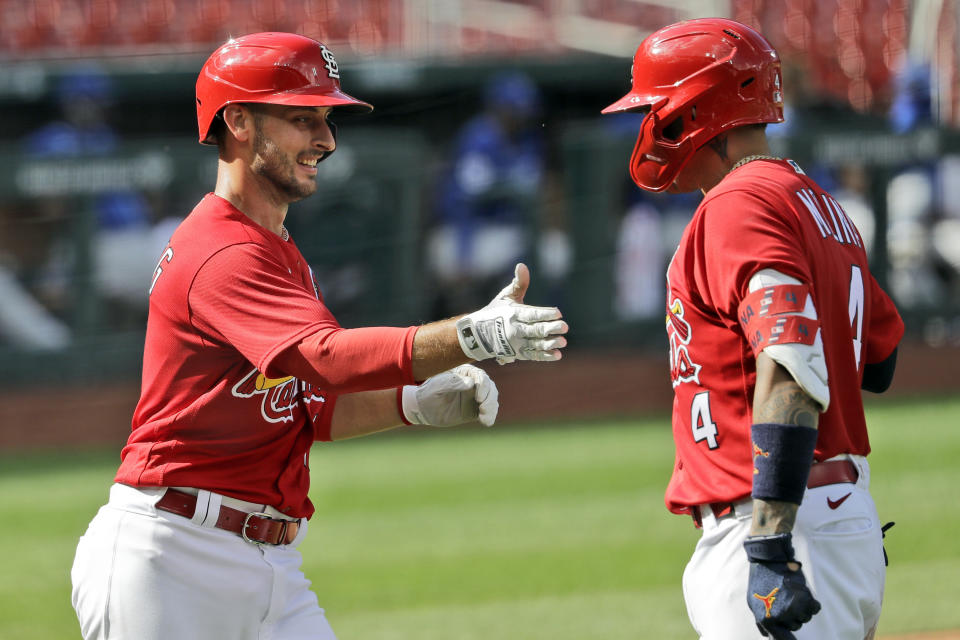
[[770, 517]]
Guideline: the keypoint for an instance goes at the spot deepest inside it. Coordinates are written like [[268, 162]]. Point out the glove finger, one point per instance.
[[804, 607], [489, 406], [540, 356], [779, 632], [541, 329], [483, 385], [485, 389], [543, 344], [803, 615], [763, 631], [540, 349], [518, 286], [450, 381], [469, 373], [527, 313]]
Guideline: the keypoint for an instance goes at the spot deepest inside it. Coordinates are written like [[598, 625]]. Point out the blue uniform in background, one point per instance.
[[487, 200]]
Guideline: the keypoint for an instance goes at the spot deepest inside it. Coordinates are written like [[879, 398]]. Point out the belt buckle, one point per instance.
[[246, 523]]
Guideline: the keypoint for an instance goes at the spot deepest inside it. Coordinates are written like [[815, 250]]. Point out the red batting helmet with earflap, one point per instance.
[[271, 68], [694, 80]]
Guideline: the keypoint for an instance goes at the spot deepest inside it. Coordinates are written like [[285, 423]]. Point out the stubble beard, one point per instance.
[[280, 170]]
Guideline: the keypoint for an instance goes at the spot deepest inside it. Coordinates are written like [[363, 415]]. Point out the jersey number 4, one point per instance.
[[701, 422], [855, 307]]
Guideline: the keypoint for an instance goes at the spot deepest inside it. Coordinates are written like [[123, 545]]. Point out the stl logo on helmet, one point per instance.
[[332, 69]]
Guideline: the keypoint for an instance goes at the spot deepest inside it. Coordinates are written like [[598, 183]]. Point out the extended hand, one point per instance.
[[508, 330], [776, 593], [452, 397]]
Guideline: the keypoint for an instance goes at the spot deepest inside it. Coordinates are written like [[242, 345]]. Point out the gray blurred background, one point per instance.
[[486, 146]]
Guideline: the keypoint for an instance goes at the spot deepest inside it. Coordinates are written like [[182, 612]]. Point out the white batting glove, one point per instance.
[[508, 330], [452, 397]]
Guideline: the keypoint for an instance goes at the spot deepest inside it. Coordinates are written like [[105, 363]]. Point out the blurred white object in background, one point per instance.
[[26, 323]]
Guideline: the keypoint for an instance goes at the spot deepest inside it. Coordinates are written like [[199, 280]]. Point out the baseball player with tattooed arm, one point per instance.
[[245, 367], [775, 325]]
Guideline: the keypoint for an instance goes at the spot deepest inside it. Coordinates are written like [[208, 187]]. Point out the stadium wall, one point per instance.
[[584, 385]]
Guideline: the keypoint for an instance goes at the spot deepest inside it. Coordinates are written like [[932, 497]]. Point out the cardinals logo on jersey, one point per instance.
[[281, 396], [679, 333]]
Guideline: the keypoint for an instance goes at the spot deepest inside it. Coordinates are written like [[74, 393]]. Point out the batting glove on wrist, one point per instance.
[[508, 330], [778, 595], [452, 397]]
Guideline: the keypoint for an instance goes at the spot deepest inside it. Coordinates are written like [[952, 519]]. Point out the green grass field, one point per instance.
[[513, 532]]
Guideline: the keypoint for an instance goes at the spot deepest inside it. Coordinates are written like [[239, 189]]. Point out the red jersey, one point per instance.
[[764, 215], [227, 298]]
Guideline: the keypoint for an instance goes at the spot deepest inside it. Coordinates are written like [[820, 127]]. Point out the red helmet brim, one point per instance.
[[629, 102], [309, 97]]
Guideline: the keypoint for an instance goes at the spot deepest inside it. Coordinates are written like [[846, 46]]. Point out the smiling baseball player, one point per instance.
[[775, 324], [245, 367]]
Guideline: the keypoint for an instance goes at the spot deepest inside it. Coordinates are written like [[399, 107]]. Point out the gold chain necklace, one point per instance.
[[747, 159]]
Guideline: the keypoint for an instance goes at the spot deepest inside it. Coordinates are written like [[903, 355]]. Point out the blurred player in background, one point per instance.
[[245, 367], [775, 325], [489, 195]]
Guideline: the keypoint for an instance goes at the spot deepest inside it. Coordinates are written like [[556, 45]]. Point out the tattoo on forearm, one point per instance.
[[770, 517], [788, 404]]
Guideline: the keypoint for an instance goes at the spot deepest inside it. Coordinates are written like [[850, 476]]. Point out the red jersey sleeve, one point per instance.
[[886, 325], [244, 297], [349, 360]]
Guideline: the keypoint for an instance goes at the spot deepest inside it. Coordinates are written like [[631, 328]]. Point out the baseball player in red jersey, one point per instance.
[[775, 325], [245, 367]]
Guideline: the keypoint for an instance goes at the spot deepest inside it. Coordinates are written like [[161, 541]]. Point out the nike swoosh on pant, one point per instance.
[[833, 504]]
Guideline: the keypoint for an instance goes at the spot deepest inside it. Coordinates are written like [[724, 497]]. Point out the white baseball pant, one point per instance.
[[144, 574], [840, 547]]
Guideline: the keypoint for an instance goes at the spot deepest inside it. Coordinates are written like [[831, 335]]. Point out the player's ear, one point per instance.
[[238, 121]]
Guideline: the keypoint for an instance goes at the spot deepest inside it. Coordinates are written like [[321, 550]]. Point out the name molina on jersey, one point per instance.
[[280, 395], [832, 220]]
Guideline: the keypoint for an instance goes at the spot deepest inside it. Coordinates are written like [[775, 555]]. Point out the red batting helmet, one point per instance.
[[272, 68], [696, 79]]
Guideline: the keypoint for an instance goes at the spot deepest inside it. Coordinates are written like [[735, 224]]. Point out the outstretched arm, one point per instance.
[[351, 360], [364, 413]]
